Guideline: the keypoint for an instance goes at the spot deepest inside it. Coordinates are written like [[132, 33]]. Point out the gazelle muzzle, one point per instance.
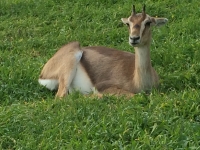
[[133, 40]]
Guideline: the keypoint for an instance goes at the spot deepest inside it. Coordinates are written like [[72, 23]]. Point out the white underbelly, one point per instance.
[[81, 81]]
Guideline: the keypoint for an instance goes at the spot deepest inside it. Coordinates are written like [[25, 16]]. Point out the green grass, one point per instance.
[[31, 32]]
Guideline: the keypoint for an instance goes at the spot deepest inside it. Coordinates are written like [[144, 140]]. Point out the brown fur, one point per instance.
[[62, 67], [62, 59], [118, 73]]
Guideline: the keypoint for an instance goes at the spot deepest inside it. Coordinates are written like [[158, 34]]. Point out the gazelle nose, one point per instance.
[[135, 38]]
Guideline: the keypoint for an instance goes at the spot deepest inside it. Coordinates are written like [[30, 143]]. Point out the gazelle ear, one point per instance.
[[125, 20], [158, 21]]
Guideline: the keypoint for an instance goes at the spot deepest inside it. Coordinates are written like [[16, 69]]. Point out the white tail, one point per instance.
[[105, 70]]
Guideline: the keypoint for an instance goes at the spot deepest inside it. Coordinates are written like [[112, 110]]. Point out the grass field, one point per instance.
[[166, 119]]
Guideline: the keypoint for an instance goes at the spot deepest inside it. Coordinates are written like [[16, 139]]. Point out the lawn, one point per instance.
[[168, 118]]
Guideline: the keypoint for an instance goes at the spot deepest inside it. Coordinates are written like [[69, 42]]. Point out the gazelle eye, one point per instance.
[[148, 23], [127, 24]]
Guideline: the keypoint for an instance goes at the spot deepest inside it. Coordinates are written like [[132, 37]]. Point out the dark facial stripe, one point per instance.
[[137, 26]]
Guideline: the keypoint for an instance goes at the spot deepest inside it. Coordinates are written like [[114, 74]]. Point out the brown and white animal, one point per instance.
[[105, 70]]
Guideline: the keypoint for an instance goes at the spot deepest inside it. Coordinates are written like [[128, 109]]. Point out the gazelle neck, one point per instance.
[[143, 69], [142, 58]]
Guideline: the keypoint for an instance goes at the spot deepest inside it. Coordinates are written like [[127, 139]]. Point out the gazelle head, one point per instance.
[[139, 25]]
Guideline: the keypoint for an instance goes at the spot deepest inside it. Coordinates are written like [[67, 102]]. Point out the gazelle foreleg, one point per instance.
[[117, 92], [107, 87]]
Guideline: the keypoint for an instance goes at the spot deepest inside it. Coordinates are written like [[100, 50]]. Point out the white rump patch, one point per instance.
[[51, 84], [78, 56], [81, 81]]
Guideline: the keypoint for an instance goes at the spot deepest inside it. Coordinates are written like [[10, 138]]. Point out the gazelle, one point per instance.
[[105, 70]]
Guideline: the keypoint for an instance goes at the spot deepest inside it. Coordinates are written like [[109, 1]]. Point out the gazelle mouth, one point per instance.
[[133, 43]]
